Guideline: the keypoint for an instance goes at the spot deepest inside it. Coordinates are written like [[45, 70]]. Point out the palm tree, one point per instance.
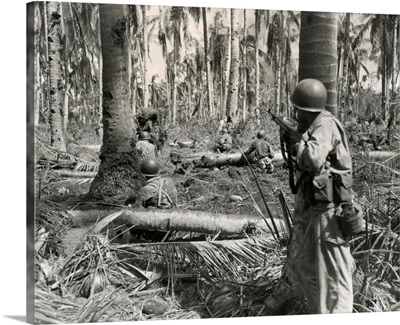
[[232, 102], [173, 22], [196, 13], [145, 57], [381, 31], [118, 170], [55, 76], [318, 55]]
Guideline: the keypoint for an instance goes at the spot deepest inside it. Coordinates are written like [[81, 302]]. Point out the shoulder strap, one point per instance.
[[160, 190]]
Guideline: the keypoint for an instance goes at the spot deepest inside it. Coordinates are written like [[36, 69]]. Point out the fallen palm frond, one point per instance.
[[216, 261], [74, 173]]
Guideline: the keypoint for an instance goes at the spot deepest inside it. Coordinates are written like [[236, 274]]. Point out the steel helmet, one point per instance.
[[261, 134], [224, 131], [149, 167], [310, 95], [144, 135]]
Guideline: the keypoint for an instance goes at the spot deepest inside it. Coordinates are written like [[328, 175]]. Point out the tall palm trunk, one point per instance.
[[393, 104], [174, 82], [118, 170], [232, 102], [145, 58], [55, 77], [210, 88], [283, 67], [318, 52], [257, 14], [244, 105], [344, 82], [227, 71]]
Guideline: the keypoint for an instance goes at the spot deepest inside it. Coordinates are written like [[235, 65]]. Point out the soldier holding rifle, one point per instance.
[[323, 201]]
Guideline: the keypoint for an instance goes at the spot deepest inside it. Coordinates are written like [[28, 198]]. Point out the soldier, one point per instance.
[[324, 164], [144, 147], [225, 141], [263, 152], [158, 192]]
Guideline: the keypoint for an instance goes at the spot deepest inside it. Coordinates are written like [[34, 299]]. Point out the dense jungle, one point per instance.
[[103, 73]]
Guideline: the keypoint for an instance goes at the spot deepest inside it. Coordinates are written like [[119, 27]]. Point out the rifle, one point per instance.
[[285, 147]]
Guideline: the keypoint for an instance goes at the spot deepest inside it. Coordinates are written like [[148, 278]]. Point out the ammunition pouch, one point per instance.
[[350, 217], [342, 188], [322, 187]]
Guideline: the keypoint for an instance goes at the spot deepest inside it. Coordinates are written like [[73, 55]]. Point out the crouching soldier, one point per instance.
[[158, 192], [225, 141], [144, 147], [263, 152]]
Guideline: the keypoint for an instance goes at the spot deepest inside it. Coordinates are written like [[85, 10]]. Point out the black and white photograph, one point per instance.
[[192, 162]]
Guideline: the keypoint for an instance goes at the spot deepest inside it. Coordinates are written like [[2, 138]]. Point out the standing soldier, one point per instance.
[[263, 152], [324, 164], [225, 141], [145, 148]]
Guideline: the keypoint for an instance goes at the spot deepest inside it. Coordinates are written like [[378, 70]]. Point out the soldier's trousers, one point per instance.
[[324, 262]]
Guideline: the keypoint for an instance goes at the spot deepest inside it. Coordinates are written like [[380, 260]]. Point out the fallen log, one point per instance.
[[178, 220], [212, 160]]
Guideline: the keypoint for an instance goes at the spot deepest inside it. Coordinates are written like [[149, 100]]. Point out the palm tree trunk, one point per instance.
[[318, 52], [145, 58], [210, 88], [232, 102], [227, 70], [118, 170], [174, 83], [394, 69], [55, 77], [257, 59], [244, 106], [344, 94], [282, 61]]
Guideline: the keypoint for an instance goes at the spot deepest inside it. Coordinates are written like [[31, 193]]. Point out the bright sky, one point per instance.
[[157, 65]]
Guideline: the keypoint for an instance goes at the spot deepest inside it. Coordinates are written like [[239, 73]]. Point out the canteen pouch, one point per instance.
[[322, 188], [351, 219], [342, 188]]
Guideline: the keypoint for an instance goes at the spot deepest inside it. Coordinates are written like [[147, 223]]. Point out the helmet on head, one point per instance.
[[224, 131], [144, 135], [310, 95], [149, 167], [261, 134]]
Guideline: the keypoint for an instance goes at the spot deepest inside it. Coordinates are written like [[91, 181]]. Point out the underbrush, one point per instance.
[[102, 280]]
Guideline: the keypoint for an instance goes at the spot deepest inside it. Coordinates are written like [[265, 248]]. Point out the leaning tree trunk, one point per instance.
[[118, 172], [232, 102], [55, 77], [318, 59]]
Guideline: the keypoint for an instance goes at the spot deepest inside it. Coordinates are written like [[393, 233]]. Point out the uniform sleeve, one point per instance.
[[314, 148]]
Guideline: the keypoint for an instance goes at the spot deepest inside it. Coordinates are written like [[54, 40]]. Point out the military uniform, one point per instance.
[[158, 192], [225, 143], [263, 154], [324, 261], [146, 149]]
